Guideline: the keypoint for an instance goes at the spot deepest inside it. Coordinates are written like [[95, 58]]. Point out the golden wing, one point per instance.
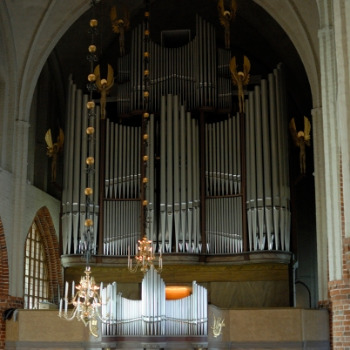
[[307, 129], [126, 19], [48, 139], [233, 9], [233, 69], [246, 70], [98, 77], [293, 131], [221, 12], [60, 140], [110, 76], [114, 19]]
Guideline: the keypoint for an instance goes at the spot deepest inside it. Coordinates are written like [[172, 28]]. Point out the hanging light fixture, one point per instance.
[[85, 300], [145, 254], [144, 257], [86, 303]]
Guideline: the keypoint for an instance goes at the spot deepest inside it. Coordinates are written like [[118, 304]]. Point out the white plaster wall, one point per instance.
[[29, 32]]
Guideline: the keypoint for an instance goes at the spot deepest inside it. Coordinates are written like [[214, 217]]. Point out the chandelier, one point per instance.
[[144, 257], [86, 303]]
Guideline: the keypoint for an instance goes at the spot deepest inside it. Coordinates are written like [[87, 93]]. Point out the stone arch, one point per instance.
[[302, 30]]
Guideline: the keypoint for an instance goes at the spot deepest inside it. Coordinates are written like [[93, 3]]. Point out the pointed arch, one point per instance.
[[47, 233]]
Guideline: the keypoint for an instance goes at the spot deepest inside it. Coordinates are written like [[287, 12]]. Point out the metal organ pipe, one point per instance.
[[269, 218], [176, 172], [153, 314], [73, 197], [67, 193], [267, 163], [95, 195], [169, 164], [192, 76]]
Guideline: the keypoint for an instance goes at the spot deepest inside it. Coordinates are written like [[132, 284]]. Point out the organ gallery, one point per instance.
[[175, 178]]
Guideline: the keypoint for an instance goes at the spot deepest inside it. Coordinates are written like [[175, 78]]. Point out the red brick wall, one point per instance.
[[339, 292], [6, 301]]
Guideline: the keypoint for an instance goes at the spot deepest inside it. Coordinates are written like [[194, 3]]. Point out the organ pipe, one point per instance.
[[188, 214], [153, 314]]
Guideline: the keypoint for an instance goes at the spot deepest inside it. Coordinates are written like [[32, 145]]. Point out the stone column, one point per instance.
[[330, 130], [20, 158], [341, 11], [321, 224]]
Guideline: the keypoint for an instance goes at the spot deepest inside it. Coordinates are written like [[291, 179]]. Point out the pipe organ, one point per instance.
[[122, 187], [75, 180], [224, 203], [268, 207], [217, 179], [153, 314]]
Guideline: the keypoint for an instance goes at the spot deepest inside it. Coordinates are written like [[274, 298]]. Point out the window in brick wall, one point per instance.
[[36, 282]]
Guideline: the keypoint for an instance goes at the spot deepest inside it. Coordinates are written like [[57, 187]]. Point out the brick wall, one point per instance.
[[6, 301], [339, 292]]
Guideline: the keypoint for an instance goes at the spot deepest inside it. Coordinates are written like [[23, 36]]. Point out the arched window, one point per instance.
[[36, 277]]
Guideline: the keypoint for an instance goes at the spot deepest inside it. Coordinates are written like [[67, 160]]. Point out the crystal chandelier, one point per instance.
[[86, 303], [144, 257]]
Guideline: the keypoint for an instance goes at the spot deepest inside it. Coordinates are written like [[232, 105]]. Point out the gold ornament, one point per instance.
[[90, 105], [88, 222], [91, 77], [93, 23], [90, 130], [88, 191], [90, 160], [92, 48]]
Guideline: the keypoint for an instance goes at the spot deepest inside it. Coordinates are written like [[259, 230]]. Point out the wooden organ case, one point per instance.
[[217, 191]]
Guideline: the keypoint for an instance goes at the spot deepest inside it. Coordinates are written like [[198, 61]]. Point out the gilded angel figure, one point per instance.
[[53, 149], [104, 84], [240, 78], [226, 17], [301, 139], [119, 26]]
